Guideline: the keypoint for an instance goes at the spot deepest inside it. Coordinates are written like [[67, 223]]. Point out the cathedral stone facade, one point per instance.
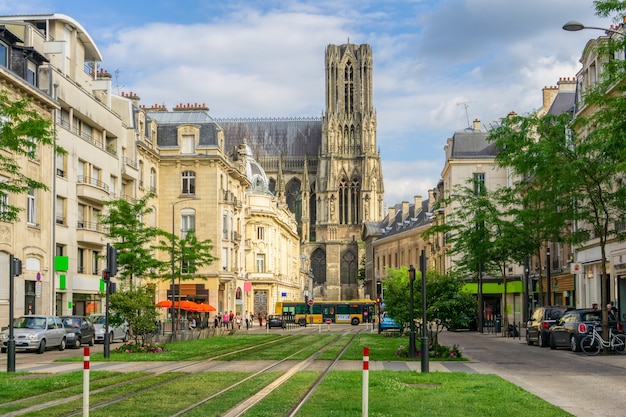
[[327, 170]]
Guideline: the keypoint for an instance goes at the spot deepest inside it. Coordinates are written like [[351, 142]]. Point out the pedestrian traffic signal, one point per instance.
[[306, 299]]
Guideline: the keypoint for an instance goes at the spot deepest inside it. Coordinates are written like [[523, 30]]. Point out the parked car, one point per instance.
[[79, 331], [35, 333], [387, 323], [275, 320], [573, 326], [538, 325], [115, 332]]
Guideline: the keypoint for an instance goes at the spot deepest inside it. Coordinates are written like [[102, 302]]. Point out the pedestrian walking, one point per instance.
[[247, 318], [260, 320]]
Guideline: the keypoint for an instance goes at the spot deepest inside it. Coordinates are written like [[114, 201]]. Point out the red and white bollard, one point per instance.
[[366, 380], [86, 381]]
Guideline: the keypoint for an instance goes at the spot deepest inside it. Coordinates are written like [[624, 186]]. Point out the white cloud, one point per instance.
[[254, 58]]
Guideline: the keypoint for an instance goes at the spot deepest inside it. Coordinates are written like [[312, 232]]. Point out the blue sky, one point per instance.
[[436, 63]]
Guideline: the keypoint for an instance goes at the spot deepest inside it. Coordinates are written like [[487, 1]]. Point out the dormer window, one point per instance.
[[4, 61]]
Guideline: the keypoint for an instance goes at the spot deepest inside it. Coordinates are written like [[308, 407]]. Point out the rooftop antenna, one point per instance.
[[466, 105]]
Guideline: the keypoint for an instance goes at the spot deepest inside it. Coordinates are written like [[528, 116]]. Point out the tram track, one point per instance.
[[161, 368], [177, 372]]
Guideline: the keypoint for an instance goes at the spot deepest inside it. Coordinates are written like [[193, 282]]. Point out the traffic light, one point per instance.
[[111, 269], [17, 267], [306, 299], [378, 300], [379, 287]]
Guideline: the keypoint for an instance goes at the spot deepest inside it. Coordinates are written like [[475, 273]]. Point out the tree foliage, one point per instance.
[[132, 238], [190, 254], [21, 129], [136, 306], [448, 305]]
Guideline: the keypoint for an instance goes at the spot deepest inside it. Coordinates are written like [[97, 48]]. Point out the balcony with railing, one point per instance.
[[90, 232], [91, 188]]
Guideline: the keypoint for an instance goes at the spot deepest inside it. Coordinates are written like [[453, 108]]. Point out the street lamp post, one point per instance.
[[424, 342], [173, 285], [575, 26], [412, 314], [548, 277]]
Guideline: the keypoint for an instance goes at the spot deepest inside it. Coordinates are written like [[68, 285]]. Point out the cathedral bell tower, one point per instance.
[[348, 187]]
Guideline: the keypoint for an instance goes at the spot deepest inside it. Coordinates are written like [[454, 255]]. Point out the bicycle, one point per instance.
[[593, 342]]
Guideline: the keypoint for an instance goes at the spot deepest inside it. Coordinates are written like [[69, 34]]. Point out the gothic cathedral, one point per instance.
[[327, 170]]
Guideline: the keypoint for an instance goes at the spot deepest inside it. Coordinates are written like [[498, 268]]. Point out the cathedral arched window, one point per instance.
[[349, 201], [349, 268], [318, 267], [348, 80], [312, 213], [294, 200]]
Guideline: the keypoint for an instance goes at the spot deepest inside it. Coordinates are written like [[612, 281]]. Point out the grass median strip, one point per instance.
[[433, 395], [285, 397]]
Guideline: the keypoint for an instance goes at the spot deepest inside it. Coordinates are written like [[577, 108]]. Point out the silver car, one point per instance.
[[35, 333], [115, 332]]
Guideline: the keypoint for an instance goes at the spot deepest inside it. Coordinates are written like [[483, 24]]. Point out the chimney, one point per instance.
[[476, 126], [418, 203], [392, 215], [405, 209], [567, 84], [549, 94]]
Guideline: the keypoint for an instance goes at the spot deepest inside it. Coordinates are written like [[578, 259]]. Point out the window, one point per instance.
[[225, 226], [140, 174], [479, 182], [152, 180], [188, 182], [260, 233], [3, 55], [32, 149], [260, 262], [60, 165], [59, 210], [187, 221], [31, 207], [81, 260], [31, 73], [187, 144], [81, 216], [95, 259], [60, 249], [4, 197]]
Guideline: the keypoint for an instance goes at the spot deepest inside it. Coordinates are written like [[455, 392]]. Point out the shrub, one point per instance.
[[148, 347]]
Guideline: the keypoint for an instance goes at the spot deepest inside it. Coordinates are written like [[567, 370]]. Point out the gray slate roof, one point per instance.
[[275, 136], [472, 144], [415, 219], [168, 122], [563, 103]]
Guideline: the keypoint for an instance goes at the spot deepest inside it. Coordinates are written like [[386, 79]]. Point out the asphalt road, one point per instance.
[[582, 385]]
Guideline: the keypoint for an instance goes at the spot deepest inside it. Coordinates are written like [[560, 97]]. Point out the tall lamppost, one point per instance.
[[575, 26], [173, 286], [412, 315]]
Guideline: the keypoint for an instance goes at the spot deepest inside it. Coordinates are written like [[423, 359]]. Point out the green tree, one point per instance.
[[135, 306], [540, 199], [132, 238], [21, 128], [189, 255], [448, 305]]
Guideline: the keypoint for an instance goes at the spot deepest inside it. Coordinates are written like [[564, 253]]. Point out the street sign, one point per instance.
[[284, 294], [310, 302]]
